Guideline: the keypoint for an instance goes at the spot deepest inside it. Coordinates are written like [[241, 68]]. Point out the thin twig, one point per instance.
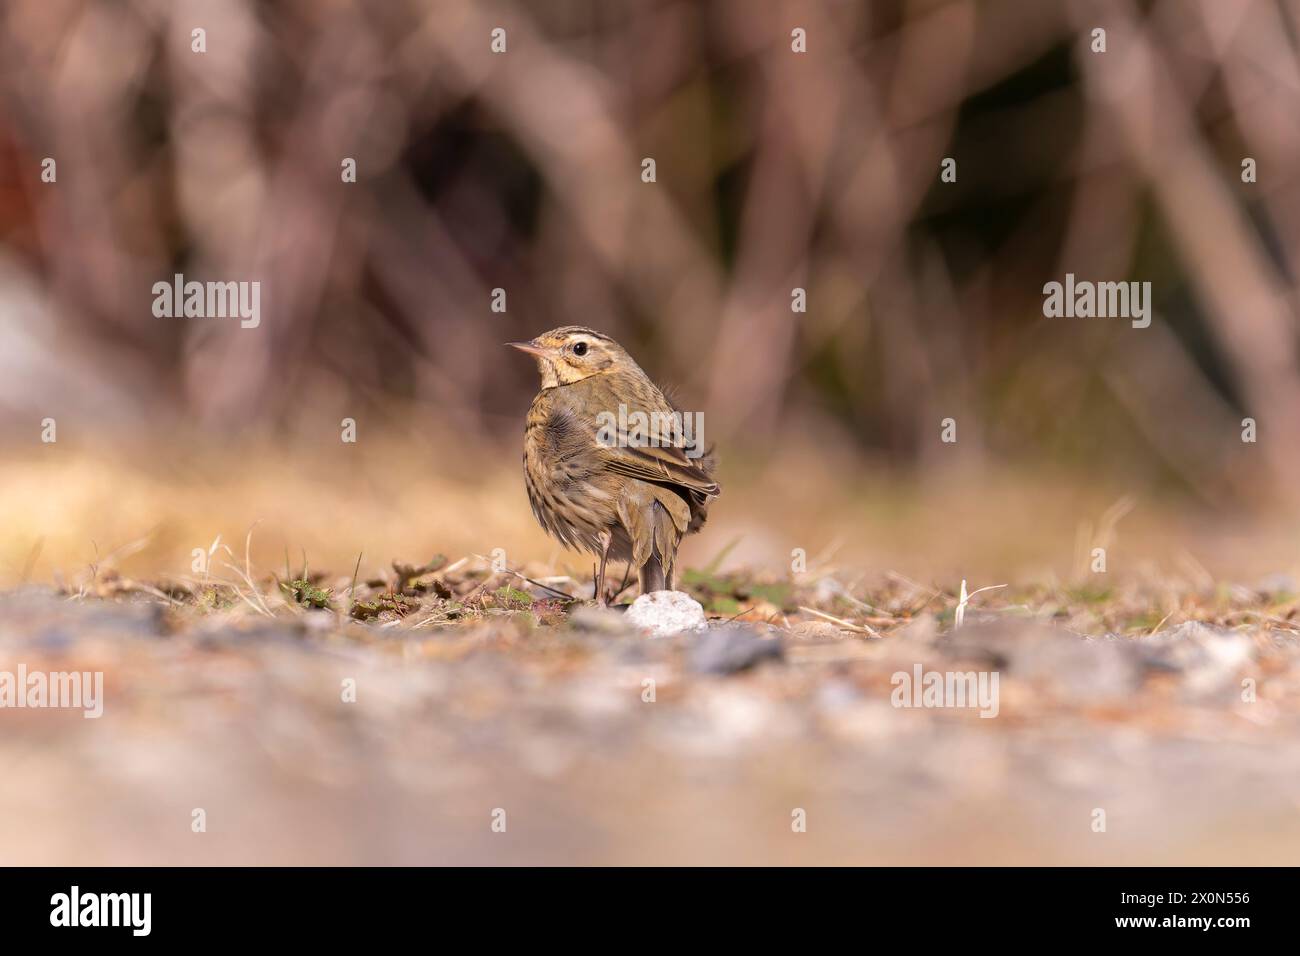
[[538, 584]]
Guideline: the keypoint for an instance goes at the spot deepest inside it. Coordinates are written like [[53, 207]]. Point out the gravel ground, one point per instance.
[[502, 740]]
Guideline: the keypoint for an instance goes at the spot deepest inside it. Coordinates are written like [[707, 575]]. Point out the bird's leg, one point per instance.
[[607, 538]]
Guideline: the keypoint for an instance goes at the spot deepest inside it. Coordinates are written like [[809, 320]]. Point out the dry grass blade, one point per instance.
[[246, 574], [847, 625], [959, 614], [32, 556]]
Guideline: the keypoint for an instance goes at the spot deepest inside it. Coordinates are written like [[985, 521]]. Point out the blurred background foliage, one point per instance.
[[775, 170]]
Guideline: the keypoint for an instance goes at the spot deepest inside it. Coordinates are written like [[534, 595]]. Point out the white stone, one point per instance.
[[665, 613]]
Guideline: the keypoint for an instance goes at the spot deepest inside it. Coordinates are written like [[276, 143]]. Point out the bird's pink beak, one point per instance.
[[532, 348]]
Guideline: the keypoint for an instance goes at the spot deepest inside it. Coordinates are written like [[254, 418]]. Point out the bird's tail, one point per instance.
[[656, 573], [655, 532], [652, 578]]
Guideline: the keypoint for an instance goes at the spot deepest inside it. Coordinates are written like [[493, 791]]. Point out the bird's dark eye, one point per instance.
[[580, 349]]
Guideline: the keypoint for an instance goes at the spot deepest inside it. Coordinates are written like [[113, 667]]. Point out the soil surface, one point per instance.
[[453, 716]]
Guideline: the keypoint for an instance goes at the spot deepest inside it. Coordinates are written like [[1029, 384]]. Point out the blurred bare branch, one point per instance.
[[776, 169]]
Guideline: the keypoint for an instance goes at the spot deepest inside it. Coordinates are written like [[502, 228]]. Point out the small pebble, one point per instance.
[[665, 613], [730, 648]]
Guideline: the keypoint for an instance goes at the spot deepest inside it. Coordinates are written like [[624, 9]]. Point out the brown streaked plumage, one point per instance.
[[624, 495]]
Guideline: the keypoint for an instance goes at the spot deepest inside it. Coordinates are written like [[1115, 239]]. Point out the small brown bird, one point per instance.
[[611, 466]]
